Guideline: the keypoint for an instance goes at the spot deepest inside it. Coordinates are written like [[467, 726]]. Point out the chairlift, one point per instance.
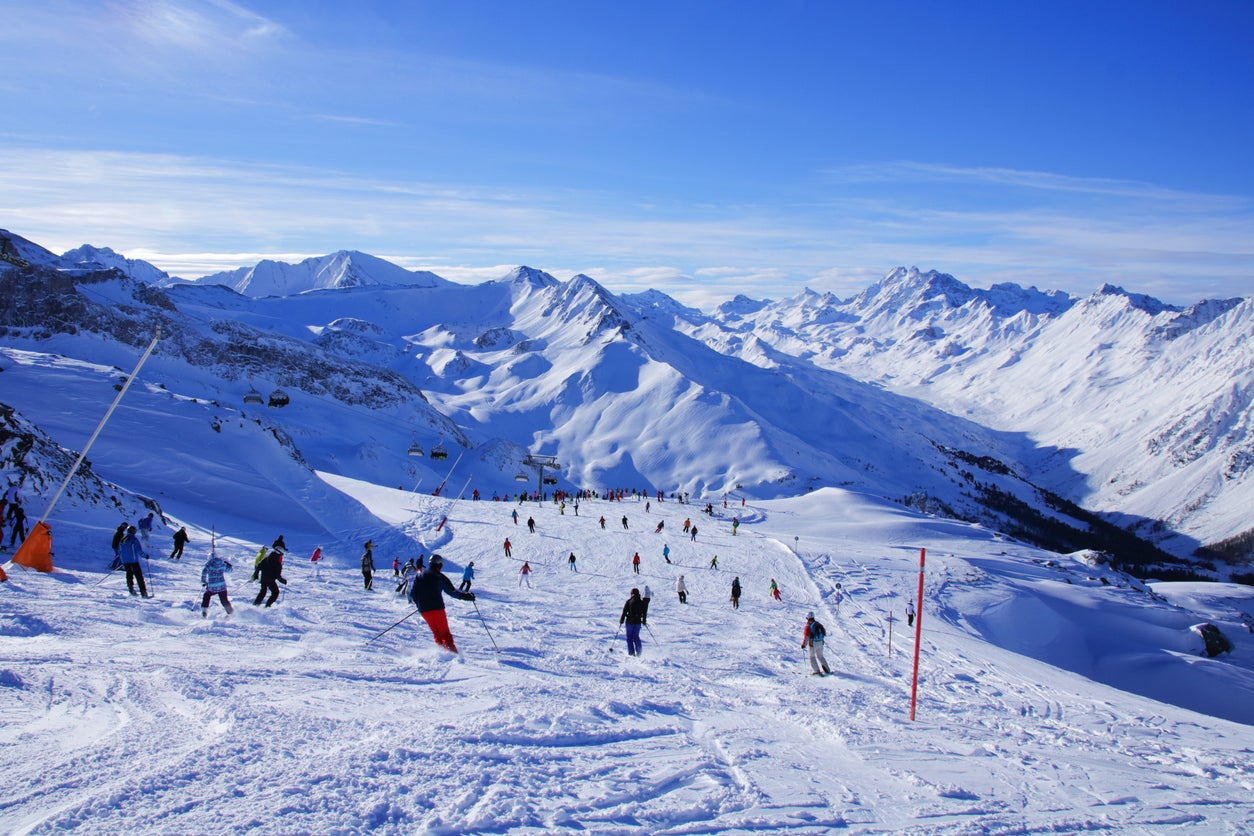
[[438, 452], [279, 398], [550, 480], [521, 477], [415, 449], [254, 396]]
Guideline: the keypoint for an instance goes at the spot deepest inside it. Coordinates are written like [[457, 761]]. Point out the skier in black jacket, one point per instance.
[[427, 594], [635, 614], [270, 570]]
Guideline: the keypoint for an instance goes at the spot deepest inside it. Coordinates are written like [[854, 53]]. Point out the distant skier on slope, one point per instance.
[[468, 577], [367, 565], [775, 590], [813, 636], [427, 594], [524, 574], [180, 540], [213, 579], [682, 589], [634, 616], [735, 593]]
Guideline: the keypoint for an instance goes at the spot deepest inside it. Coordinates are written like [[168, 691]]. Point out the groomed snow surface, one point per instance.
[[124, 715]]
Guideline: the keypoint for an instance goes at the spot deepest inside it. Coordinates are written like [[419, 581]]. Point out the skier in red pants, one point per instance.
[[427, 594]]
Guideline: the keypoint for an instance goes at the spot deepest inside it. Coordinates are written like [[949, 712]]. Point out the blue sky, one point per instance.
[[702, 148]]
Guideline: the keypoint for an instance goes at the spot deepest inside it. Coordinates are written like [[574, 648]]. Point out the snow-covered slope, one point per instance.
[[1048, 700]]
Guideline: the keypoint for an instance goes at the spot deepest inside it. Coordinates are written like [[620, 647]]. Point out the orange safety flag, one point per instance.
[[36, 550]]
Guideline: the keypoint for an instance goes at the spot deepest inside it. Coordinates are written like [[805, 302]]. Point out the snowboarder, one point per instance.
[[130, 550], [666, 553], [775, 590], [634, 616], [682, 589], [427, 594], [524, 574], [735, 595], [909, 613], [316, 560], [367, 565], [180, 540], [468, 576], [812, 636], [507, 548], [571, 562], [270, 572], [635, 563], [213, 579], [145, 529]]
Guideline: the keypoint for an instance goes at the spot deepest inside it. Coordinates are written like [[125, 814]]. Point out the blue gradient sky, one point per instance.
[[702, 148]]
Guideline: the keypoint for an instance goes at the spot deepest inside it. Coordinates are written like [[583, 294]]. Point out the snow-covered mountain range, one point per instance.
[[1014, 407]]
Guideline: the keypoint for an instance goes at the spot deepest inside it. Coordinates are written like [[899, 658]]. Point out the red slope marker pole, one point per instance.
[[918, 635]]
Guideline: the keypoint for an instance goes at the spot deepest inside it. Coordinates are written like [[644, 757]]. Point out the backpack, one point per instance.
[[817, 632]]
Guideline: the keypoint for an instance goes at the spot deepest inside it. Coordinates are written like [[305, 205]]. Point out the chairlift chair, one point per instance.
[[279, 398], [438, 452], [254, 396], [521, 477]]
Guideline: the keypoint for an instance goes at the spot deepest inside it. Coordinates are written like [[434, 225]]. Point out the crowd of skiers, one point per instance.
[[423, 585]]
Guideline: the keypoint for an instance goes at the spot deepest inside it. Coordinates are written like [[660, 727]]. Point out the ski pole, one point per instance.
[[650, 629], [485, 624], [397, 624]]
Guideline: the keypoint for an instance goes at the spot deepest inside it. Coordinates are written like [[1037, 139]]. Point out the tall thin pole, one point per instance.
[[918, 635], [83, 454]]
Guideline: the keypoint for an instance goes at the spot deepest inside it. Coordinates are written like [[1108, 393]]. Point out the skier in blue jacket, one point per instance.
[[213, 579], [468, 575], [130, 551]]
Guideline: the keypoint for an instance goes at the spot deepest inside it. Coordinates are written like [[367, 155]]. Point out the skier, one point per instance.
[[660, 525], [408, 572], [735, 598], [367, 565], [531, 524], [524, 574], [687, 524], [507, 548], [213, 579], [602, 523], [130, 550], [118, 535], [635, 563], [812, 636], [145, 529], [694, 533], [666, 553], [270, 572], [624, 522], [18, 515], [396, 566], [257, 561], [775, 590], [837, 596], [427, 594], [714, 562], [316, 560], [468, 576], [571, 561], [515, 515], [682, 589], [180, 540], [735, 525], [634, 616], [909, 613], [645, 598]]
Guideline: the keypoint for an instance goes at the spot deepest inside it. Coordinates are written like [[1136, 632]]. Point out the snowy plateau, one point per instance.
[[1067, 479]]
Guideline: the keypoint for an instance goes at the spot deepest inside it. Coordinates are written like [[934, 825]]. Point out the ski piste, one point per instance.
[[559, 726]]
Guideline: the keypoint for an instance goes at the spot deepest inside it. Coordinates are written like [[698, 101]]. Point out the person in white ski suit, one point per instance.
[[812, 636], [682, 589]]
